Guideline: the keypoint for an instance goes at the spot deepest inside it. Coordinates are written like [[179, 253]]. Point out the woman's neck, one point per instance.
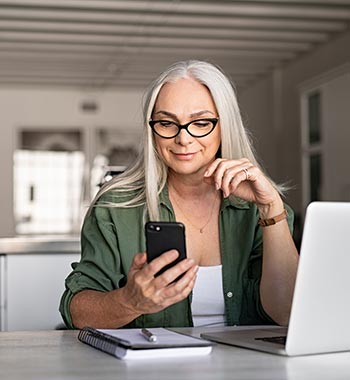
[[190, 186]]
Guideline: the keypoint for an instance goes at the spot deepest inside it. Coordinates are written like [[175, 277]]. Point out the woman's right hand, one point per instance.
[[142, 294], [148, 294]]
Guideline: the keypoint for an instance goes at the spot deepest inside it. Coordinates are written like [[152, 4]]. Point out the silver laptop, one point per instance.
[[320, 315]]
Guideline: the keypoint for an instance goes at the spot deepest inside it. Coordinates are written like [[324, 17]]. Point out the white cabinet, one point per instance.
[[34, 285], [32, 274]]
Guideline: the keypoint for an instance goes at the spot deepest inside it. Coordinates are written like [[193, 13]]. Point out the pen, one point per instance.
[[148, 335]]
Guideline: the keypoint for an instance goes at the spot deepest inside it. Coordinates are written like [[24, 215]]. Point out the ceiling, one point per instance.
[[125, 44]]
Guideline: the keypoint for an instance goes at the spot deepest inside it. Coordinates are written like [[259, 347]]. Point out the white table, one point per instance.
[[59, 355]]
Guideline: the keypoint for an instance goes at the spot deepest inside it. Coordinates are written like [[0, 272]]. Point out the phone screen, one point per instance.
[[162, 237]]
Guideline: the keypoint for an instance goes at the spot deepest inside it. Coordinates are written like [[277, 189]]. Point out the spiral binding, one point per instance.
[[99, 340]]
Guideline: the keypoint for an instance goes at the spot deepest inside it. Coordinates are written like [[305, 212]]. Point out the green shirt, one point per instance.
[[111, 236]]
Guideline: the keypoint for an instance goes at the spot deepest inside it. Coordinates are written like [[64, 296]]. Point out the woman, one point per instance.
[[197, 167]]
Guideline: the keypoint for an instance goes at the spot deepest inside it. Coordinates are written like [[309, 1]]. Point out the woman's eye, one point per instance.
[[202, 124], [167, 124]]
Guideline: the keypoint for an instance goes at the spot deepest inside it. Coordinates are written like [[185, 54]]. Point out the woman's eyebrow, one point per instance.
[[200, 113], [194, 114], [166, 113]]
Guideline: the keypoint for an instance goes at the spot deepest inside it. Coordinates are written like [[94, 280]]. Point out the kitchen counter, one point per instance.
[[40, 244]]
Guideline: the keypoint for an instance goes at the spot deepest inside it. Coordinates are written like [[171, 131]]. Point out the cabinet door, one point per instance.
[[35, 283]]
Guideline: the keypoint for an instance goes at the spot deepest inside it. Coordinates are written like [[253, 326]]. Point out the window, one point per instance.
[[48, 182], [48, 189]]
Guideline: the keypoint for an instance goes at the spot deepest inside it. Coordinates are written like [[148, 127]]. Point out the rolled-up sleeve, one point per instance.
[[100, 265]]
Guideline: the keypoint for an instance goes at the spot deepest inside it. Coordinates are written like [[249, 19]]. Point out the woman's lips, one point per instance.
[[184, 156]]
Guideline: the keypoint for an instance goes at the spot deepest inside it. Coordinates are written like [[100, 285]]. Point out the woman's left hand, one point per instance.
[[242, 179]]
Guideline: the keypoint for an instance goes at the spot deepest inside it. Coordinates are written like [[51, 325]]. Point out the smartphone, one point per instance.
[[162, 237]]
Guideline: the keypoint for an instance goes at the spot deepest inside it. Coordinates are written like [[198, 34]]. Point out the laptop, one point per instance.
[[320, 315]]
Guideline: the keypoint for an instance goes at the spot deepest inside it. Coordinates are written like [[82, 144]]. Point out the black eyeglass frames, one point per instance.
[[196, 128]]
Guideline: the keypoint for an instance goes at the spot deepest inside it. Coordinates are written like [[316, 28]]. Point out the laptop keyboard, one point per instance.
[[274, 339]]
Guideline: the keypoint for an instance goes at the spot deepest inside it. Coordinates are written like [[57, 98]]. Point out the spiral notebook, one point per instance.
[[131, 344]]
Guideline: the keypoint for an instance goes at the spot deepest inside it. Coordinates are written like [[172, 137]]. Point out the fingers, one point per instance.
[[172, 274], [149, 294], [180, 289], [160, 262], [139, 260], [248, 173], [228, 174], [242, 179], [175, 291]]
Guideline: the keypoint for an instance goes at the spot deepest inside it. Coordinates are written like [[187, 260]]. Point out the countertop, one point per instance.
[[40, 244]]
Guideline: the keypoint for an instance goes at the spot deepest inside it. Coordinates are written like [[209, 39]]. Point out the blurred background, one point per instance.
[[72, 77]]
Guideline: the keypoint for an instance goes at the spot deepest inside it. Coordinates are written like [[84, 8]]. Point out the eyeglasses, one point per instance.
[[196, 128]]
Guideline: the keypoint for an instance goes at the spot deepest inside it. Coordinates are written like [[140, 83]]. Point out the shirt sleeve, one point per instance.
[[100, 265]]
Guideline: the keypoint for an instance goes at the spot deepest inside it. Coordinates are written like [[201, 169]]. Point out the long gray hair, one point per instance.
[[148, 176]]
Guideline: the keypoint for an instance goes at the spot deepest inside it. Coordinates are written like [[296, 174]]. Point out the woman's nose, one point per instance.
[[184, 137]]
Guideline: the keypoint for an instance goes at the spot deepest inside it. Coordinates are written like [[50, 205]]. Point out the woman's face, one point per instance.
[[181, 102]]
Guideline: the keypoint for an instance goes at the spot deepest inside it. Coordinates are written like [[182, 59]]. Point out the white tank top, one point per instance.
[[208, 307]]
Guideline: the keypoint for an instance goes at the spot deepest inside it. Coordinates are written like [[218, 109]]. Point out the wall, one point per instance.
[[336, 97], [270, 108], [257, 113], [273, 108], [56, 108]]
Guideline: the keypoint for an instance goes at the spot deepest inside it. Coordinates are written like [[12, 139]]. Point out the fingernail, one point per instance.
[[206, 173], [217, 187]]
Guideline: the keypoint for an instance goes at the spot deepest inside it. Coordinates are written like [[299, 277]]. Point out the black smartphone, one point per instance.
[[162, 237]]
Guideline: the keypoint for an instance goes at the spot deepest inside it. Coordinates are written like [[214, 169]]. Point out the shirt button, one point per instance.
[[229, 294]]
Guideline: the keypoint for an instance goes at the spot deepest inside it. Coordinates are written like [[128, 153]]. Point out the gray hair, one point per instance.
[[148, 176]]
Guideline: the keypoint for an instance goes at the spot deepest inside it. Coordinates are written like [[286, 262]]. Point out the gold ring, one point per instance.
[[247, 174]]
